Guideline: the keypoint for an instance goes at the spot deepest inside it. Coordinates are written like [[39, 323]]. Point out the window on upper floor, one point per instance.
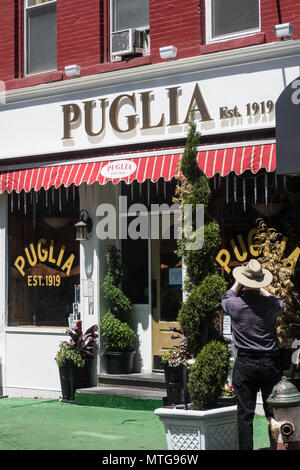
[[129, 28], [40, 36], [228, 19]]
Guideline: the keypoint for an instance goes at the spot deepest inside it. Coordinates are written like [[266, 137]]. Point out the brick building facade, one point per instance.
[[83, 35], [116, 127]]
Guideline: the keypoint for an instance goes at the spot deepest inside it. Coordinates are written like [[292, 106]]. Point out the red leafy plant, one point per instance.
[[82, 346]]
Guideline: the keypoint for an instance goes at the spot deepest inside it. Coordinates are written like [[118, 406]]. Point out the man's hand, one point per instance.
[[264, 292], [236, 287]]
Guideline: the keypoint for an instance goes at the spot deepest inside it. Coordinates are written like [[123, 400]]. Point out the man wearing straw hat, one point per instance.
[[253, 312]]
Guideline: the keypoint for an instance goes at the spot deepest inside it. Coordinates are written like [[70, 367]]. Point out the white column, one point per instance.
[[89, 260], [3, 283], [93, 252]]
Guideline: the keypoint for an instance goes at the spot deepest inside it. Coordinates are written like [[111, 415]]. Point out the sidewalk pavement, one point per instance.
[[39, 424]]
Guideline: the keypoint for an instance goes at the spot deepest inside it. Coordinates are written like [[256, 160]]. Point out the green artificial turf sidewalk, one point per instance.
[[36, 424]]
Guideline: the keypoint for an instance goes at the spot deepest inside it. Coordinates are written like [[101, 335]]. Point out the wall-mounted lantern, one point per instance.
[[84, 226]]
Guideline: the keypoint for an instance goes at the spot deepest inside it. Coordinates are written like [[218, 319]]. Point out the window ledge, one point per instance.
[[47, 330], [119, 65], [251, 40], [44, 78], [32, 80]]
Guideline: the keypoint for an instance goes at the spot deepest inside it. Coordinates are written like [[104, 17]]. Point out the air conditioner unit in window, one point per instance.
[[127, 42]]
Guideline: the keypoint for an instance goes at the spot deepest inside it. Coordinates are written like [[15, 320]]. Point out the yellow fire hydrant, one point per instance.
[[285, 426]]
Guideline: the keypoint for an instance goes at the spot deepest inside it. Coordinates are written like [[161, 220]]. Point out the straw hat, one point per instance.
[[252, 275]]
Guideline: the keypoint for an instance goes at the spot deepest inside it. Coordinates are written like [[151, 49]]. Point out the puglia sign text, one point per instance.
[[98, 113], [244, 250], [44, 252]]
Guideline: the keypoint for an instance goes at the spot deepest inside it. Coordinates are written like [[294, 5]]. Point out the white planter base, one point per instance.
[[214, 429]]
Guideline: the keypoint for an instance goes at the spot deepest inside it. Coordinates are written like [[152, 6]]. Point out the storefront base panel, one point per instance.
[[15, 392], [30, 368]]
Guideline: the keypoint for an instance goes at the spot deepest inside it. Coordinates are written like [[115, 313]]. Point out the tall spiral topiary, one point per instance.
[[118, 303], [117, 335], [205, 287]]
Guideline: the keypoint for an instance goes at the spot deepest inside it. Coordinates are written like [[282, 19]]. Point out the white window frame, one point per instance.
[[226, 37], [111, 30], [26, 8]]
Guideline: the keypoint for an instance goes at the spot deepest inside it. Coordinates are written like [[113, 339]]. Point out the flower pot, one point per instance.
[[119, 362], [175, 384], [214, 429], [73, 377]]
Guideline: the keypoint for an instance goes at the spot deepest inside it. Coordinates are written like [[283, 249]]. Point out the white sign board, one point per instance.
[[144, 111], [226, 325]]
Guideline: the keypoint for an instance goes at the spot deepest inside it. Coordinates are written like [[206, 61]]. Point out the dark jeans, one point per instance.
[[252, 373]]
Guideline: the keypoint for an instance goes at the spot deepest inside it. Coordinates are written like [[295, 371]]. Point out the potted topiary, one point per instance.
[[75, 360], [118, 337], [205, 423], [118, 341]]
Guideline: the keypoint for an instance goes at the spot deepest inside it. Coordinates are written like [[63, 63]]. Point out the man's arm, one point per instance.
[[278, 304], [232, 292]]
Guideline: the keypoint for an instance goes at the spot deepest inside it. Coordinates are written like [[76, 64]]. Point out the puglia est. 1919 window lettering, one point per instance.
[[73, 113], [44, 252]]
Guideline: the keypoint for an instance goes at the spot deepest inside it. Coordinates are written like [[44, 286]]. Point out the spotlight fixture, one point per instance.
[[168, 52], [72, 70], [84, 226], [284, 30]]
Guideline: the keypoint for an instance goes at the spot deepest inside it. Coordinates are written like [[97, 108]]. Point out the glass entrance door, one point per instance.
[[166, 269]]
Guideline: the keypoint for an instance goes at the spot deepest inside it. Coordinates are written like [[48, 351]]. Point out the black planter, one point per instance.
[[176, 380], [227, 401], [73, 377], [119, 362]]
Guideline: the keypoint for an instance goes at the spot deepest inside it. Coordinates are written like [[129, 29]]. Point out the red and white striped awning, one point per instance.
[[141, 166]]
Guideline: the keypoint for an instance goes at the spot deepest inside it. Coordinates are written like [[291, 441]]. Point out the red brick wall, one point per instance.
[[290, 13], [177, 23], [7, 39], [78, 32], [184, 26], [83, 35]]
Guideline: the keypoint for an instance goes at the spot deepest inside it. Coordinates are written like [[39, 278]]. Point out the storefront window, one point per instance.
[[237, 204], [43, 266], [135, 261]]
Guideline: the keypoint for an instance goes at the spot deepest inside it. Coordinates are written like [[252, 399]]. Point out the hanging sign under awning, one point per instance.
[[287, 130]]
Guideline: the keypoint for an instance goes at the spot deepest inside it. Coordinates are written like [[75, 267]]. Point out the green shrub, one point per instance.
[[198, 314], [189, 166], [205, 287], [117, 301], [199, 192], [200, 263], [117, 336], [208, 375], [114, 265], [63, 355]]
